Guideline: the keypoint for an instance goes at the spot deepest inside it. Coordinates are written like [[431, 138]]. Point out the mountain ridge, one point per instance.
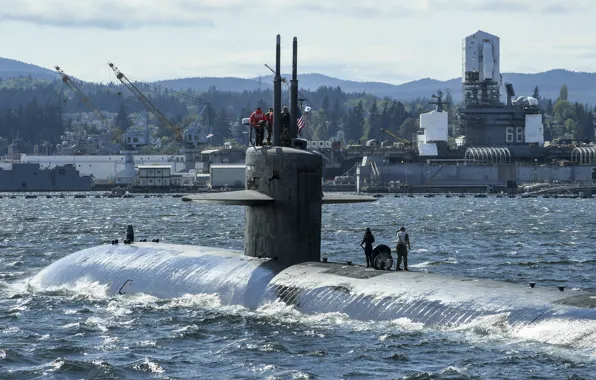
[[580, 84]]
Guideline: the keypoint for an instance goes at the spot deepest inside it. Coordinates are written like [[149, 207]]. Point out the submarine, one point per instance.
[[281, 261]]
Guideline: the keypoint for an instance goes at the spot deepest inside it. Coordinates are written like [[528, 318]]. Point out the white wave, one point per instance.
[[74, 325], [84, 287], [148, 366], [451, 370], [209, 301], [10, 330], [406, 324], [571, 333], [491, 327], [147, 343], [99, 323], [263, 368], [109, 343]]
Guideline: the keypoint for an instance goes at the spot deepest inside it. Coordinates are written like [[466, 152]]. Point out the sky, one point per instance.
[[392, 41]]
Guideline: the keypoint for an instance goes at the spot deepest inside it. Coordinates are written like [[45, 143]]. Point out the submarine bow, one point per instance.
[[164, 271]]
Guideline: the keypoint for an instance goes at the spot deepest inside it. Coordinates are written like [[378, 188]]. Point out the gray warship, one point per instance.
[[502, 144], [19, 176]]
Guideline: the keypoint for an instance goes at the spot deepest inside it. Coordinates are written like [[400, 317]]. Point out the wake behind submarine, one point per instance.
[[282, 257]]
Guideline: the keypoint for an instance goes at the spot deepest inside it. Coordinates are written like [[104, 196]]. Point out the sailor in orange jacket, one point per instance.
[[257, 121]]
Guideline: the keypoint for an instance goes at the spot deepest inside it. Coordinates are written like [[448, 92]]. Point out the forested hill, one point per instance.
[[580, 84], [10, 68], [37, 109]]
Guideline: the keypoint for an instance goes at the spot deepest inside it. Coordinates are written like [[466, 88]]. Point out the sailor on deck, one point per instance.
[[403, 245], [366, 243]]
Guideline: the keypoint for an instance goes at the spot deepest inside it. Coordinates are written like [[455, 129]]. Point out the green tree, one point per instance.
[[223, 125], [563, 93], [397, 116], [571, 128], [374, 122], [408, 128], [325, 105], [536, 94], [549, 107], [319, 125], [337, 114], [564, 110], [585, 121], [355, 123]]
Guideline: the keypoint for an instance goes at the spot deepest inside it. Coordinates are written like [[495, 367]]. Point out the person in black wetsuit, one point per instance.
[[366, 243]]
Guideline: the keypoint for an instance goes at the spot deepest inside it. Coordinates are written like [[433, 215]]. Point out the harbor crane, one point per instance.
[[146, 102], [190, 138], [126, 176], [397, 138], [73, 86]]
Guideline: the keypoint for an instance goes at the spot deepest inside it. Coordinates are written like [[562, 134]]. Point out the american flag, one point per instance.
[[300, 120]]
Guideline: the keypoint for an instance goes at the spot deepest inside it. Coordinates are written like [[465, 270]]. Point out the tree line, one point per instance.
[[565, 120], [35, 110]]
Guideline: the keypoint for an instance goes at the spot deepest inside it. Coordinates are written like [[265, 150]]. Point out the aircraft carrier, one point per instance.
[[502, 143]]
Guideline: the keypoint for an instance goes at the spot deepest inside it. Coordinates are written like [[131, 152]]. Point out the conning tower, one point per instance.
[[283, 191]]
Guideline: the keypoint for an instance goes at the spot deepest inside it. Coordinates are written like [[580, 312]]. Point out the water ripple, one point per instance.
[[82, 333]]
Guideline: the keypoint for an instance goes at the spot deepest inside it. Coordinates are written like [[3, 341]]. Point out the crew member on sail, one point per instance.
[[269, 121], [257, 121]]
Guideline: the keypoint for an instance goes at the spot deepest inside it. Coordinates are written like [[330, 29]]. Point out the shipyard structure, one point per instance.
[[502, 143], [497, 144]]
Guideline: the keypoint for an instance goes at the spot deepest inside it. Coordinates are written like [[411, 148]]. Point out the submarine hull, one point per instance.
[[170, 271]]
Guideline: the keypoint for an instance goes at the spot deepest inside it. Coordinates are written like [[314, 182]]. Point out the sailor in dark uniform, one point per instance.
[[366, 243]]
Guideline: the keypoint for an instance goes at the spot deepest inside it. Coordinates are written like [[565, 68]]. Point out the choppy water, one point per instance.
[[80, 333]]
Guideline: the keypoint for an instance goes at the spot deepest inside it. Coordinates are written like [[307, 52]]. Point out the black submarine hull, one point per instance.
[[170, 271]]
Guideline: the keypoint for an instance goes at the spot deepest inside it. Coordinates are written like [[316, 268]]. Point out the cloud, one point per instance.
[[513, 6], [132, 14], [353, 8], [116, 14], [421, 8]]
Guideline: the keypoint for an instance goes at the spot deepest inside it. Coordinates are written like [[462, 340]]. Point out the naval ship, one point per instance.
[[21, 176], [502, 145]]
